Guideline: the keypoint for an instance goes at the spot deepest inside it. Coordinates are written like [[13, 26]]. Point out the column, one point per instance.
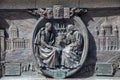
[[11, 44], [18, 44], [15, 44], [0, 60], [107, 44]]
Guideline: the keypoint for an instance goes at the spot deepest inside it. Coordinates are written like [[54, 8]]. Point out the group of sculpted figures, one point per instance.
[[58, 50]]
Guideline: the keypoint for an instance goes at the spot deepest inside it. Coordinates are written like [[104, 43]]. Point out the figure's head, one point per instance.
[[70, 28], [48, 26]]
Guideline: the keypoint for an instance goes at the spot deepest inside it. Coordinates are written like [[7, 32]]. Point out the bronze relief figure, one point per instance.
[[60, 45], [50, 53]]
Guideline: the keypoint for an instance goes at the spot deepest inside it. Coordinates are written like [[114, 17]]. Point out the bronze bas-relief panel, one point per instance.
[[67, 42], [59, 43]]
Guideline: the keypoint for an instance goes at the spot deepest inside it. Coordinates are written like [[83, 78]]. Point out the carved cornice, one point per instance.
[[58, 12]]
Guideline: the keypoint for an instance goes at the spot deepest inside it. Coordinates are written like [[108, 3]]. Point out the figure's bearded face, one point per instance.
[[70, 28], [48, 28]]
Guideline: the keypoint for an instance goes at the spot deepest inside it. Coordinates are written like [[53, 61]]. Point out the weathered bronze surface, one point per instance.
[[21, 4], [61, 43], [60, 38], [104, 69], [12, 69]]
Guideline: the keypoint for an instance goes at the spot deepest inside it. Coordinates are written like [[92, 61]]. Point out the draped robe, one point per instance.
[[71, 54], [46, 53]]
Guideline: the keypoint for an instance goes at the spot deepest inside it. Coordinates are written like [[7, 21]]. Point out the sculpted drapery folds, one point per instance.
[[58, 50], [45, 51], [71, 54]]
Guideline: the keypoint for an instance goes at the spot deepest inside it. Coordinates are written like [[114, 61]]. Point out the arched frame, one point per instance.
[[81, 26]]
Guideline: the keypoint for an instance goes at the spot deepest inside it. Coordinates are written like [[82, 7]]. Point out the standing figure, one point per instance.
[[47, 54]]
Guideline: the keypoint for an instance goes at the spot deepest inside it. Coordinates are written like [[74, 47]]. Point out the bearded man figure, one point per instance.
[[71, 54], [46, 52]]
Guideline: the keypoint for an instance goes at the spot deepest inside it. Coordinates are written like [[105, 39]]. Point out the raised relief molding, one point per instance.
[[60, 41], [58, 12]]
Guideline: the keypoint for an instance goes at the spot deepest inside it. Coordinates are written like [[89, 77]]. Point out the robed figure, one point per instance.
[[47, 55], [72, 52]]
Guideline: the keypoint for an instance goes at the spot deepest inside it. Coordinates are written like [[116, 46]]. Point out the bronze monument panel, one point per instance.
[[60, 41]]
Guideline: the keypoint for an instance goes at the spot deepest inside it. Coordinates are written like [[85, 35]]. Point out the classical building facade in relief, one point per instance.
[[14, 42], [108, 37]]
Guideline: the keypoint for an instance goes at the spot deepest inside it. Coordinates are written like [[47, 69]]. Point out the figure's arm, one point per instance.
[[53, 41], [36, 42], [37, 39], [78, 37], [43, 41]]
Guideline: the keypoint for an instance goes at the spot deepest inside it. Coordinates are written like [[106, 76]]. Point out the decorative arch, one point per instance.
[[77, 21]]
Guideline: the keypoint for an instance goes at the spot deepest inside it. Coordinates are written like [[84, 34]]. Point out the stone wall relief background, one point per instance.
[[95, 20], [16, 31]]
